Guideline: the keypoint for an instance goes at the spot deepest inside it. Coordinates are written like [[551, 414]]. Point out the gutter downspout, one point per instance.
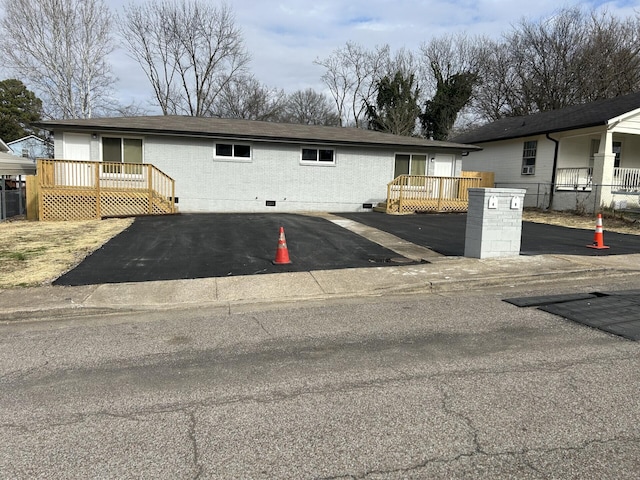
[[555, 166]]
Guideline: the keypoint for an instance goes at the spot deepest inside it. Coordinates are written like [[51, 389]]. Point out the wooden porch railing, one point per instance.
[[76, 190], [419, 193]]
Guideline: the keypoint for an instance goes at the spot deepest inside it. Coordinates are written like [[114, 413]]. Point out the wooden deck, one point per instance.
[[419, 193], [79, 190]]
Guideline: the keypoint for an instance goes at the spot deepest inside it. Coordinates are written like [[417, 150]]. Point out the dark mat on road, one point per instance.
[[445, 233], [219, 245], [632, 295], [614, 312], [548, 299]]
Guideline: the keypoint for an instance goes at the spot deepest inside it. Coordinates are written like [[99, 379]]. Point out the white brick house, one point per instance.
[[224, 165]]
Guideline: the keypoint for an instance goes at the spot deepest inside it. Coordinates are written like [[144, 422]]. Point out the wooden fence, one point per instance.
[[79, 190], [420, 193]]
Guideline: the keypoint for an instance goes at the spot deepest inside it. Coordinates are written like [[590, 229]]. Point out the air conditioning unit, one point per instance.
[[528, 170]]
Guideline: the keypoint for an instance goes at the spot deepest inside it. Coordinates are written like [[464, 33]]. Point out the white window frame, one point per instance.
[[526, 168], [617, 155], [317, 162], [232, 157], [429, 158], [121, 175]]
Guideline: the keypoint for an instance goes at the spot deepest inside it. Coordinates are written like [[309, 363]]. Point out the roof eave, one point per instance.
[[255, 138], [543, 132]]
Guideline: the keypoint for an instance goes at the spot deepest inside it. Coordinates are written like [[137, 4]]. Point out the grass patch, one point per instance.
[[36, 253], [618, 223]]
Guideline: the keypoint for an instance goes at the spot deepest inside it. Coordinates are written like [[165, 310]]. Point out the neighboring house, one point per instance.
[[223, 165], [584, 157], [12, 193], [12, 166], [32, 147]]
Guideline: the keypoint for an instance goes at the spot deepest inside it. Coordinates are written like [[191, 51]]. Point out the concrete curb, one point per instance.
[[444, 274]]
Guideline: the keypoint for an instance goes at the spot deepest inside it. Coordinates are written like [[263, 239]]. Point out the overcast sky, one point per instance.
[[285, 36]]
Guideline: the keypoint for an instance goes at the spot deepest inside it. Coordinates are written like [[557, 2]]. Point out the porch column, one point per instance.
[[603, 162]]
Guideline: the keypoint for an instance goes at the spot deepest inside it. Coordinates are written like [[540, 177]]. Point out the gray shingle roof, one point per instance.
[[248, 130], [570, 118]]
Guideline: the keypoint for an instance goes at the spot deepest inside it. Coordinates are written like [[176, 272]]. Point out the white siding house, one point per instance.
[[585, 157], [222, 165], [31, 147]]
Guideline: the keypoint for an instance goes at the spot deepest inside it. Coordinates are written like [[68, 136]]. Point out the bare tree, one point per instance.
[[351, 75], [245, 97], [189, 50], [449, 55], [60, 48], [499, 91], [572, 57], [309, 107], [609, 61]]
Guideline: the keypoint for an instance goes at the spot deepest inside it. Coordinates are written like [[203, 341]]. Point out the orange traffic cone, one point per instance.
[[598, 238], [282, 253]]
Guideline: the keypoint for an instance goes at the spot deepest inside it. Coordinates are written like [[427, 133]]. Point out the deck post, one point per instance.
[[97, 191], [150, 187]]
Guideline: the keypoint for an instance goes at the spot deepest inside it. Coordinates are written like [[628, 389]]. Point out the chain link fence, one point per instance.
[[582, 199], [12, 197]]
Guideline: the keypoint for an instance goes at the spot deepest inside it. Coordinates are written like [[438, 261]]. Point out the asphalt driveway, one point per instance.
[[445, 234], [217, 245]]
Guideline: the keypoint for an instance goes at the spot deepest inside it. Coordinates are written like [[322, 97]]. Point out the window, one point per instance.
[[318, 155], [233, 151], [124, 151], [595, 148], [410, 164], [529, 157], [617, 149]]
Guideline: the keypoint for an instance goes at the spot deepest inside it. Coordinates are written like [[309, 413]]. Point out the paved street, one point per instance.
[[458, 385]]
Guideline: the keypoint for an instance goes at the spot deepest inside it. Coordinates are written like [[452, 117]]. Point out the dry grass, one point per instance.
[[36, 253], [611, 223]]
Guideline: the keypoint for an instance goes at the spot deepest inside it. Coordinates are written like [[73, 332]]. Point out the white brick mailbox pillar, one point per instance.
[[494, 222]]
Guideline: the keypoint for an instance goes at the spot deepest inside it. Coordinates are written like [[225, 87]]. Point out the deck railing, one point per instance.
[[626, 180], [70, 189], [574, 178], [419, 193]]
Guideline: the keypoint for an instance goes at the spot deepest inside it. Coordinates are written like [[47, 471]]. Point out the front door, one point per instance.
[[77, 146], [444, 165]]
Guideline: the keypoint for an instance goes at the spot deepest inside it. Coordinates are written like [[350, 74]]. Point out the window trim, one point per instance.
[[121, 174], [429, 158], [317, 162], [617, 156], [232, 157], [527, 168]]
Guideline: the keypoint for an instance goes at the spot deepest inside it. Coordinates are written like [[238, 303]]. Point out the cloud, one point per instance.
[[285, 37]]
